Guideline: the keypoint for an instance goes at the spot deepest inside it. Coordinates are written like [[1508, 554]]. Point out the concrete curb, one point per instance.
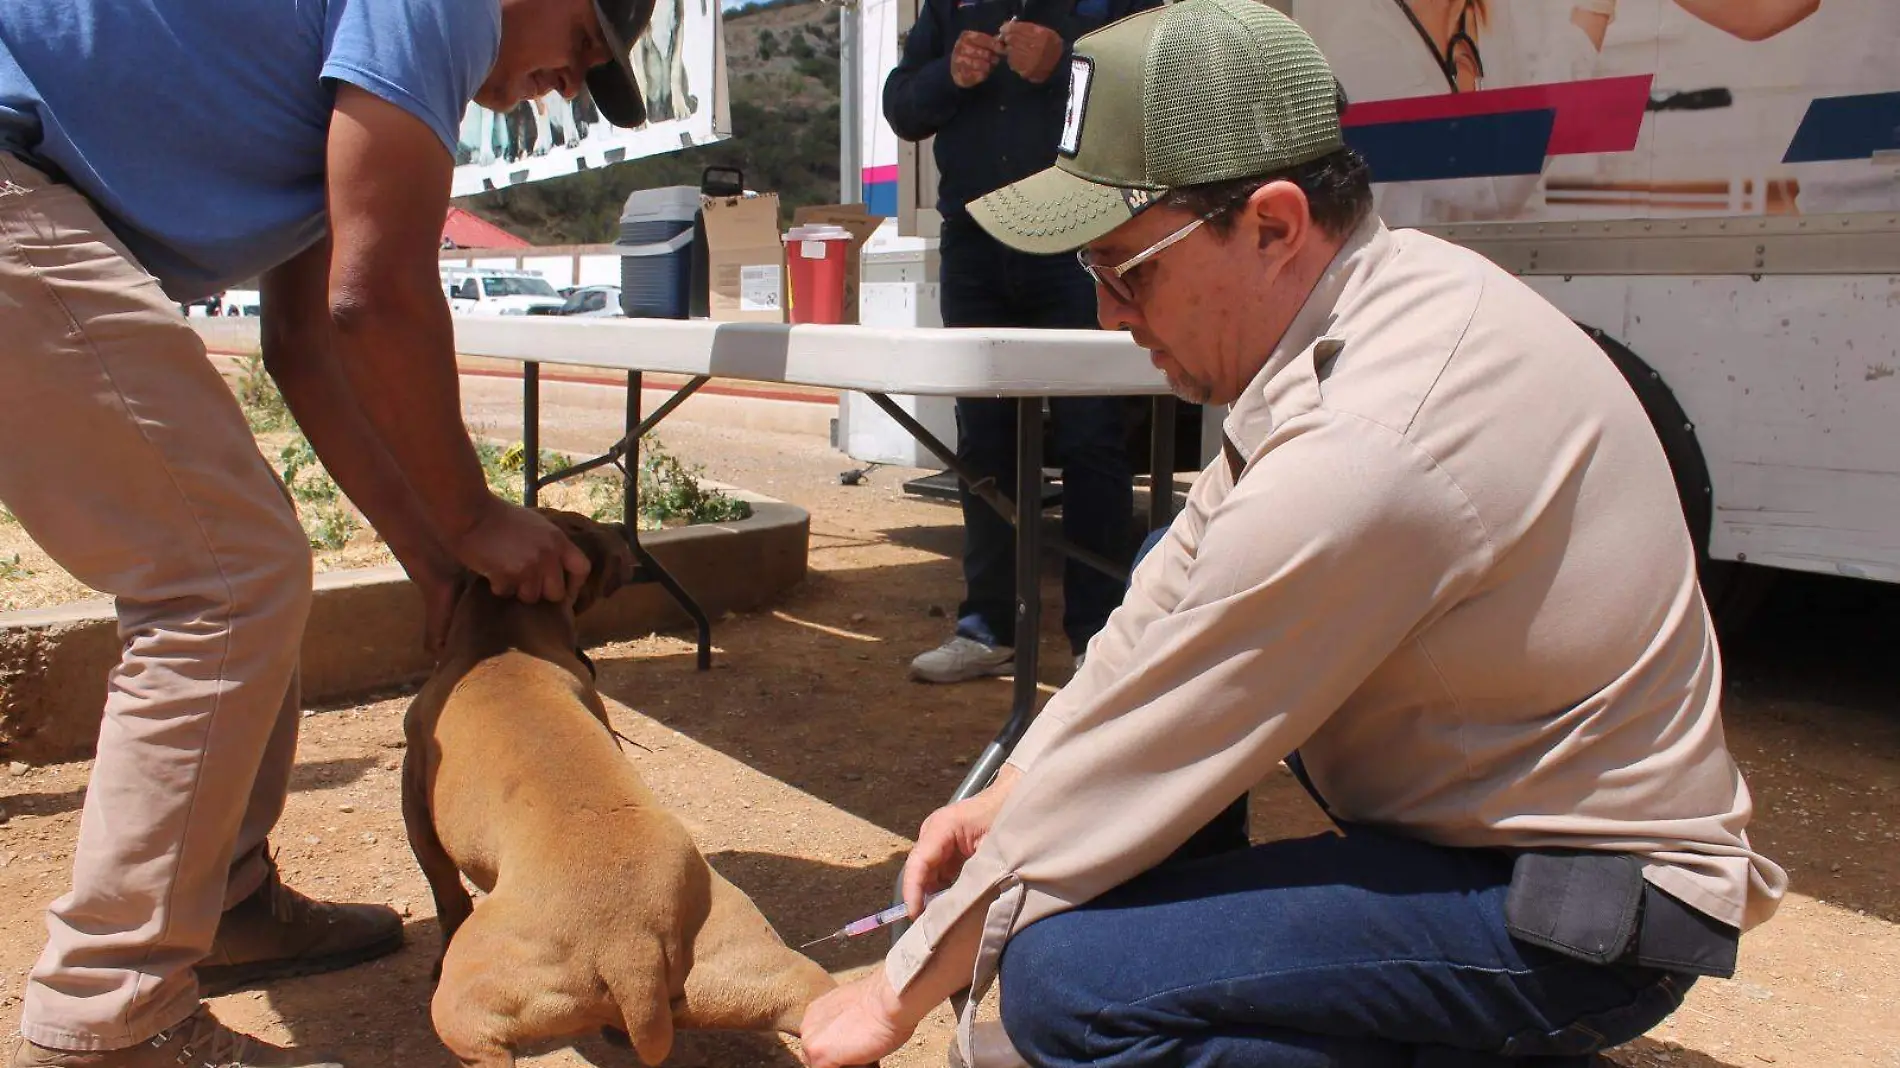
[[364, 633]]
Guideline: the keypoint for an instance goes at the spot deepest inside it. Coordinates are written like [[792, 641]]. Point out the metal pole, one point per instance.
[[630, 515], [630, 460], [1028, 623], [1028, 598], [850, 104], [530, 432], [984, 489], [1161, 464]]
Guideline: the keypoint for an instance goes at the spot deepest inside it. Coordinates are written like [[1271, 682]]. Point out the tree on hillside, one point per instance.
[[768, 44]]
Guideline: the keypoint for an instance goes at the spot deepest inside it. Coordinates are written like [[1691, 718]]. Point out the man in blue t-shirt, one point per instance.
[[152, 153]]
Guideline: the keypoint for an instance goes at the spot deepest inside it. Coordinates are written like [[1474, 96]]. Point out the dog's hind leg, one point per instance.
[[452, 903], [476, 1005], [744, 977], [506, 984]]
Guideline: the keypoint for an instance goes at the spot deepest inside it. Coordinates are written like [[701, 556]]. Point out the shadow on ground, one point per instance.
[[307, 776]]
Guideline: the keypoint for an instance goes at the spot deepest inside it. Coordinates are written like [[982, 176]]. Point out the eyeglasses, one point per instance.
[[1111, 278]]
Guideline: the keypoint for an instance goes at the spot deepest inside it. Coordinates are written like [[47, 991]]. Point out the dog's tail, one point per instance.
[[638, 979]]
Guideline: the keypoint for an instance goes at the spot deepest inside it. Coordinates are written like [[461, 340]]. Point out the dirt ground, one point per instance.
[[804, 761]]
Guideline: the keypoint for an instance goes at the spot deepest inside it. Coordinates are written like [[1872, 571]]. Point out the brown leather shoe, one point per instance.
[[199, 1041], [277, 933]]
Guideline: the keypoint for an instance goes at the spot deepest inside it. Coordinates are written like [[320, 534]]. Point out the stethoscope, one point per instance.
[[1447, 62]]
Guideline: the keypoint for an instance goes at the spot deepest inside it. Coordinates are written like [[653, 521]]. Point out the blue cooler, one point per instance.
[[656, 252]]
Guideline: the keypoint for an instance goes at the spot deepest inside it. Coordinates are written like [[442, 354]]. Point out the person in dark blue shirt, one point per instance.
[[989, 80]]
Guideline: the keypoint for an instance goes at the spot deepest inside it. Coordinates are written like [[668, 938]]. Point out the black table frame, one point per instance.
[[1023, 510]]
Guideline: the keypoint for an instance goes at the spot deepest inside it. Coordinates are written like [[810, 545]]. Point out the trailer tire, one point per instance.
[[1734, 591]]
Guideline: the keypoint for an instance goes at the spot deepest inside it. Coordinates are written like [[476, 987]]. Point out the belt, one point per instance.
[[1597, 907]]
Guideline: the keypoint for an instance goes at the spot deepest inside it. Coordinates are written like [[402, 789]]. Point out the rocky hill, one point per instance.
[[782, 63]]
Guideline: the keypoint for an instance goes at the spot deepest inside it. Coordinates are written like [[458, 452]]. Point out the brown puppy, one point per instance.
[[599, 910]]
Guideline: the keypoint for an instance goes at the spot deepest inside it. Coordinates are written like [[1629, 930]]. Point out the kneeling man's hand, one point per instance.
[[856, 1024]]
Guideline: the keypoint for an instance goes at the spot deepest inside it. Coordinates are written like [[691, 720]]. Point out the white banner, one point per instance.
[[680, 63], [877, 143], [1567, 110]]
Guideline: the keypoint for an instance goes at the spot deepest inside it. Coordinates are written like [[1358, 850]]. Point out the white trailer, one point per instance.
[[1710, 187]]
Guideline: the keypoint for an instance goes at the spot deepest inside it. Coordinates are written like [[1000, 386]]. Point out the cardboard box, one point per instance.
[[745, 260], [861, 225]]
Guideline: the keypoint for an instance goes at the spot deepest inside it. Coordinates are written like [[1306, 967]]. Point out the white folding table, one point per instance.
[[1026, 365]]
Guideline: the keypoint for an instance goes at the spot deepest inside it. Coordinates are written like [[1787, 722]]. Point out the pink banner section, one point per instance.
[[873, 175], [1599, 115]]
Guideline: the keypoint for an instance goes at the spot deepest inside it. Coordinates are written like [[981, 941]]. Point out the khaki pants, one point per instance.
[[127, 459]]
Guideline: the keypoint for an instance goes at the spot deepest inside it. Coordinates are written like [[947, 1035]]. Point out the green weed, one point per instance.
[[263, 405]]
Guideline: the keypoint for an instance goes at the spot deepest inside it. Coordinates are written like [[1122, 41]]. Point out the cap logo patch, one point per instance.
[[1138, 200], [1081, 74]]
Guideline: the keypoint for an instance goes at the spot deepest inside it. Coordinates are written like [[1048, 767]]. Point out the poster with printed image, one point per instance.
[[1554, 110], [679, 64]]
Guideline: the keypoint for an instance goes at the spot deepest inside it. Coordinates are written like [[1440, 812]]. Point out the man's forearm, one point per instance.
[[327, 412], [299, 356], [398, 351], [947, 971]]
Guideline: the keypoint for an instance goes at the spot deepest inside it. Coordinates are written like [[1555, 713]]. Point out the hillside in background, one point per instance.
[[782, 64]]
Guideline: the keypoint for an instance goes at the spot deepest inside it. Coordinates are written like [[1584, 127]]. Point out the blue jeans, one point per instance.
[[1369, 949], [1362, 950], [987, 284]]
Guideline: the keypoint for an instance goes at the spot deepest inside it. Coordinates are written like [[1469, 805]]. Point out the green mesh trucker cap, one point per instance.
[[1192, 92]]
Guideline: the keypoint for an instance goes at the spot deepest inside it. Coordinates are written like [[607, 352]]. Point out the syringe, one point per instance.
[[869, 923]]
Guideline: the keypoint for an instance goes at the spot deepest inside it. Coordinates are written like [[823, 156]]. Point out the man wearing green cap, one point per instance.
[[1440, 571]]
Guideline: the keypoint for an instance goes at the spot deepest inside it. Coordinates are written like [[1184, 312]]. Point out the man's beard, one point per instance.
[[1188, 389]]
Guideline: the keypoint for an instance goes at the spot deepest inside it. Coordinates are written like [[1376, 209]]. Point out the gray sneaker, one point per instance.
[[961, 659], [199, 1040]]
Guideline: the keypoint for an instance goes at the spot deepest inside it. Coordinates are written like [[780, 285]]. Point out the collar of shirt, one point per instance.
[[1313, 329]]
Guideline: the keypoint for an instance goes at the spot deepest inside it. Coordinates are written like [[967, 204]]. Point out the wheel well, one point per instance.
[[1674, 430], [1733, 590]]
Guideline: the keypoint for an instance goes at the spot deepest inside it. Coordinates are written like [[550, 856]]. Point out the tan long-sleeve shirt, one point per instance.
[[1453, 573]]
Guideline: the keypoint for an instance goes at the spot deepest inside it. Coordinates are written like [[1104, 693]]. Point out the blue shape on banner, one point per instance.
[[880, 198], [1846, 127], [1476, 146]]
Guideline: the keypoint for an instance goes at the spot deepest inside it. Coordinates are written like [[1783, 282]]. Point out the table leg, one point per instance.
[[984, 489], [1028, 520], [1161, 463], [530, 433], [1028, 598], [630, 514]]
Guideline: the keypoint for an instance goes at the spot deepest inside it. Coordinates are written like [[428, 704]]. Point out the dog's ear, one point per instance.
[[609, 555]]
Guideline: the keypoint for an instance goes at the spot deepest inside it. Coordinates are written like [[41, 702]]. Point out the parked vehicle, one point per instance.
[[497, 291], [587, 302]]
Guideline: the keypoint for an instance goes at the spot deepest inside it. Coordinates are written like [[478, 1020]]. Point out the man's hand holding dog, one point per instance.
[[522, 555]]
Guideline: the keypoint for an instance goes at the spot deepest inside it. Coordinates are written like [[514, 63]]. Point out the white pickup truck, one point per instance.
[[498, 291]]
